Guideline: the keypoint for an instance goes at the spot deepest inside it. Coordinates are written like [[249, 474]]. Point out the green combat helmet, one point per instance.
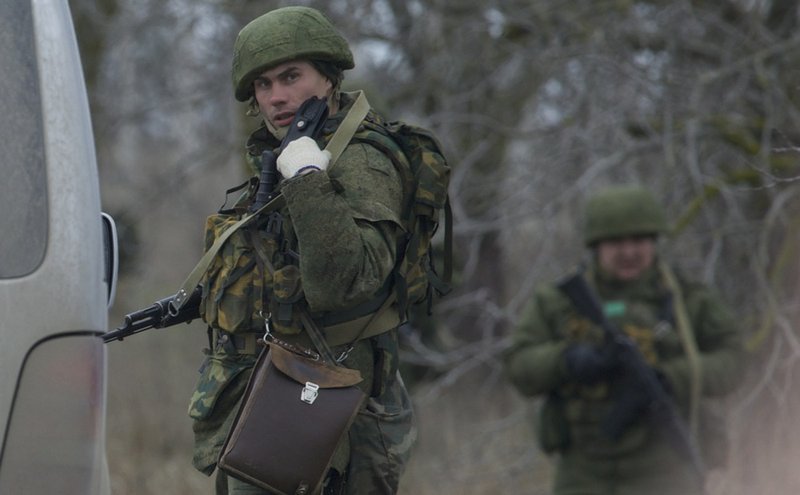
[[622, 211], [282, 35]]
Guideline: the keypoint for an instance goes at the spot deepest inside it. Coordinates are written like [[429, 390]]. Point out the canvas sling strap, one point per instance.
[[689, 343], [349, 126], [335, 146]]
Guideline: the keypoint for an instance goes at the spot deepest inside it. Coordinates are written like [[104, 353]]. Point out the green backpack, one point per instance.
[[418, 156]]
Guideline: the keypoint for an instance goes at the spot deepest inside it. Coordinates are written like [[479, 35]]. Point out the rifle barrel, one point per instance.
[[157, 315]]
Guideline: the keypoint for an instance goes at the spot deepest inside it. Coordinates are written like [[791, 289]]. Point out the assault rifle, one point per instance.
[[160, 314], [639, 376], [308, 121]]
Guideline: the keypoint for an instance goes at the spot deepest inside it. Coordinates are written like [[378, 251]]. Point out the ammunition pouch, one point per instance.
[[234, 284]]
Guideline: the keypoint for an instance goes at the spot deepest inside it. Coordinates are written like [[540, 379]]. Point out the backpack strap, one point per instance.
[[442, 284], [348, 128]]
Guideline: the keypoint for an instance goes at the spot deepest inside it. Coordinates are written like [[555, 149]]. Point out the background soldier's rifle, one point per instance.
[[638, 375], [308, 121]]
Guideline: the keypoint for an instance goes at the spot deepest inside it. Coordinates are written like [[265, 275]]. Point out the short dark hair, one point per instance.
[[330, 71]]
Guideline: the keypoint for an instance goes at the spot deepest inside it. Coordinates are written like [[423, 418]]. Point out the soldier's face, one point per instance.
[[281, 90], [626, 258]]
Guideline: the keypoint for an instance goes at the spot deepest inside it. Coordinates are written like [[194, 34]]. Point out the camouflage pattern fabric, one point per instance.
[[382, 437], [589, 461], [215, 401], [426, 175], [233, 286]]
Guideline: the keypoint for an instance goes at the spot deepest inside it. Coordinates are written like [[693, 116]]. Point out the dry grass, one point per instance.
[[151, 377], [474, 437]]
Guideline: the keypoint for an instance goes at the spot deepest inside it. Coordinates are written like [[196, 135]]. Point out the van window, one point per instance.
[[23, 179]]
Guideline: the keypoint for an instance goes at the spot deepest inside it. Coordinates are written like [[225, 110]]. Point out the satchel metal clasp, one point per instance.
[[309, 393]]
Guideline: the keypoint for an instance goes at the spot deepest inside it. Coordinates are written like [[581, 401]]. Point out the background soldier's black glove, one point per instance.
[[589, 364]]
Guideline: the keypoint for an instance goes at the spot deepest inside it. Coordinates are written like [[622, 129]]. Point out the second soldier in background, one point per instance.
[[683, 332]]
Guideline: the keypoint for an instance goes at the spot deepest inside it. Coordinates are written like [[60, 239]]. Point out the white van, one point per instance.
[[57, 260]]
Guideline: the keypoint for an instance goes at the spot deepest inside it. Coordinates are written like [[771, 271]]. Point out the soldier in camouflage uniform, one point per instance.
[[333, 253], [559, 354]]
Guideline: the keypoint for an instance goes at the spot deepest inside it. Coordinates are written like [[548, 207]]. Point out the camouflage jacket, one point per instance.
[[642, 310]]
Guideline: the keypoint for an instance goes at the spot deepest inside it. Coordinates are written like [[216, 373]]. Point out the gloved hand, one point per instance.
[[589, 364], [302, 156]]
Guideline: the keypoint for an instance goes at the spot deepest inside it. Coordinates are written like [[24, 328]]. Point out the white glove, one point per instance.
[[302, 156]]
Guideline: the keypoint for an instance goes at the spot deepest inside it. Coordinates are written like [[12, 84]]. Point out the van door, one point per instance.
[[54, 281]]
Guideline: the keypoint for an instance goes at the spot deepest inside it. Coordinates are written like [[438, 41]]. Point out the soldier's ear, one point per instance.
[[252, 108]]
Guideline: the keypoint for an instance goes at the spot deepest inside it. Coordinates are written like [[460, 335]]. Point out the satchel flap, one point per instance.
[[303, 369]]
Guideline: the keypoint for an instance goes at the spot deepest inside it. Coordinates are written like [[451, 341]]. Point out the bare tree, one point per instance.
[[537, 104]]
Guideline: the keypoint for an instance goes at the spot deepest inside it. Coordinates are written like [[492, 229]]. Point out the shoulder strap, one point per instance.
[[689, 343], [347, 129]]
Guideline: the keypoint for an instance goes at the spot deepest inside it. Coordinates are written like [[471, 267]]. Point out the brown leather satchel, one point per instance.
[[294, 412]]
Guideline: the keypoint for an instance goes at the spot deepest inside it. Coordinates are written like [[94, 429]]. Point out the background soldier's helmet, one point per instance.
[[282, 35], [622, 211]]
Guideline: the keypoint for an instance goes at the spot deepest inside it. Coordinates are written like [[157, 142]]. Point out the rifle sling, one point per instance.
[[684, 327], [348, 128]]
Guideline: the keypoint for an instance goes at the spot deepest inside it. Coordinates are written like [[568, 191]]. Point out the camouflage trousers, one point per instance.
[[381, 438]]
